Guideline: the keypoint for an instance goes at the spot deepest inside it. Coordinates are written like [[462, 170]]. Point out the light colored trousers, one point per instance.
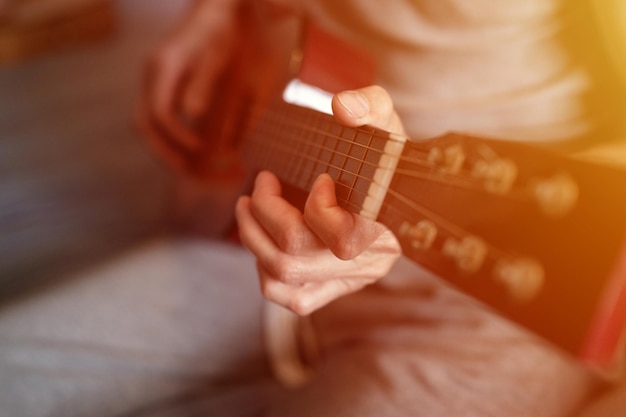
[[174, 329]]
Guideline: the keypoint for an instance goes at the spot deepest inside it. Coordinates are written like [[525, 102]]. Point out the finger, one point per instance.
[[367, 106], [164, 84], [198, 93], [252, 234], [307, 298], [283, 267], [314, 266], [195, 99], [346, 234], [165, 149], [282, 221]]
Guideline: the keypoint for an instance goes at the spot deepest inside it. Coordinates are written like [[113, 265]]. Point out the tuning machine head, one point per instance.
[[522, 277], [556, 195]]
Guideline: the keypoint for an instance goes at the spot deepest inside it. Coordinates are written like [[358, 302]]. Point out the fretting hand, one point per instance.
[[308, 259]]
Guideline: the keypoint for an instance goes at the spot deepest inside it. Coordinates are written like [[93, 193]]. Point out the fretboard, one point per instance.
[[299, 144]]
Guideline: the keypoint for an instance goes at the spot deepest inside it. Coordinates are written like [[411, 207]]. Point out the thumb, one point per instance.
[[367, 106]]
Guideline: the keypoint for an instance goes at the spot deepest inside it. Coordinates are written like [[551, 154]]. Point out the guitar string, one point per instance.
[[323, 165], [468, 182], [450, 227], [301, 130], [471, 182], [444, 223]]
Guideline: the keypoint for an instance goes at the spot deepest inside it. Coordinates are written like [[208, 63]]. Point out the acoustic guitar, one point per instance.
[[532, 233]]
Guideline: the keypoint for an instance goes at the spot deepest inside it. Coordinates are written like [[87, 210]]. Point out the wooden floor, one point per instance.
[[75, 181]]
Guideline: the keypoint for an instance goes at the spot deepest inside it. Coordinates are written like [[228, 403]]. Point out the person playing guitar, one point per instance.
[[522, 71]]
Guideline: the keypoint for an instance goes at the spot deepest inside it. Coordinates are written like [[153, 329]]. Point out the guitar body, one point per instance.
[[532, 233]]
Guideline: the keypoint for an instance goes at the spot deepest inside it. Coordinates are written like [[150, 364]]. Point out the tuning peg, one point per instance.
[[498, 175], [450, 160], [421, 235], [523, 277], [469, 252], [556, 196]]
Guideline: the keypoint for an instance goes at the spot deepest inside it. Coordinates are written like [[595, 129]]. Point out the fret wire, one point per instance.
[[272, 123], [317, 134], [342, 139], [321, 148], [456, 230], [414, 158], [358, 172], [472, 184], [333, 141], [411, 159], [332, 156], [451, 228], [319, 161], [290, 122], [257, 149], [373, 132], [349, 205], [369, 145], [296, 137], [318, 167], [466, 174], [305, 141], [277, 126], [318, 157], [345, 201], [378, 133]]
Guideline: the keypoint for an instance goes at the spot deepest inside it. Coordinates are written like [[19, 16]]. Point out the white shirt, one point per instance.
[[489, 67]]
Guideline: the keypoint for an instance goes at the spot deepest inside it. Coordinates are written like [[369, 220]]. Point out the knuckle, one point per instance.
[[377, 90], [384, 104], [287, 271], [301, 305], [345, 247], [291, 240]]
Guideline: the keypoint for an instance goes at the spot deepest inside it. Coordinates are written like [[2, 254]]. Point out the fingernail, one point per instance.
[[355, 103]]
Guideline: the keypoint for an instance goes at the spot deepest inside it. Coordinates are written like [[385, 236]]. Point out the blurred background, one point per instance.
[[77, 185]]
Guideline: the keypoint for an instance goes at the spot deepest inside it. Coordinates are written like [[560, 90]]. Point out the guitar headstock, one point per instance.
[[535, 234]]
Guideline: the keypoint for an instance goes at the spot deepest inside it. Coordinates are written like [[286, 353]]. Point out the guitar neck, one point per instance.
[[531, 233], [299, 144]]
